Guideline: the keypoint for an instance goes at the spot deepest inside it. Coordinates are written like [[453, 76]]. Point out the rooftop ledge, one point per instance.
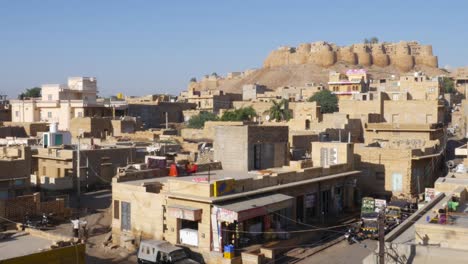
[[262, 190]]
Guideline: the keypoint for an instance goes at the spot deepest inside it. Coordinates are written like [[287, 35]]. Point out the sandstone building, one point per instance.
[[344, 86], [211, 204], [55, 169], [15, 170], [60, 103]]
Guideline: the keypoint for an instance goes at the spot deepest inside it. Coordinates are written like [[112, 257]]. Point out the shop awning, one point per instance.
[[247, 209], [184, 212]]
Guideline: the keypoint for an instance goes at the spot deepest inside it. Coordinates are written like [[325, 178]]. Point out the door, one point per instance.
[[326, 199], [300, 208], [125, 219], [397, 182], [257, 156], [58, 139]]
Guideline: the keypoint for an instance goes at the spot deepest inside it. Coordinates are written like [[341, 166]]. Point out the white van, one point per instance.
[[162, 252]]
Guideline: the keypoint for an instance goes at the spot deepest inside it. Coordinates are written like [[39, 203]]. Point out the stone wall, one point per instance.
[[403, 55], [146, 209], [31, 129], [16, 208], [154, 115]]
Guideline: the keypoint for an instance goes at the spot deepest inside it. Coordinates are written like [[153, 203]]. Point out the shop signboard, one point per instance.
[[184, 213], [223, 187], [200, 179], [429, 194], [226, 215], [215, 231], [231, 216], [380, 204]]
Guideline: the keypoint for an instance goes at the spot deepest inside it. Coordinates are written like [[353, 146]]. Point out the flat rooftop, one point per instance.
[[213, 175], [22, 244], [408, 236]]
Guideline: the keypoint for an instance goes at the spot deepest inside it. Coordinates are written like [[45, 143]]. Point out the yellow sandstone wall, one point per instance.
[[404, 55]]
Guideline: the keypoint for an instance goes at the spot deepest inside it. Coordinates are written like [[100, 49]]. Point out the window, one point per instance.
[[116, 209], [125, 220], [80, 114], [17, 113], [49, 114], [49, 97], [44, 171], [19, 182]]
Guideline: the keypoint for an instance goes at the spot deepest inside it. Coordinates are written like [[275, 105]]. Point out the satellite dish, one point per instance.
[[267, 118]]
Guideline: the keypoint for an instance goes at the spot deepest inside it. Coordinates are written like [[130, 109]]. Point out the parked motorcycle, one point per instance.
[[352, 237], [37, 221]]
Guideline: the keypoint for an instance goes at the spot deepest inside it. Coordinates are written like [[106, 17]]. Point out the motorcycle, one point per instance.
[[37, 222], [352, 237]]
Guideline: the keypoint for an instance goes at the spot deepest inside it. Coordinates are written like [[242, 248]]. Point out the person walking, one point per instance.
[[76, 226]]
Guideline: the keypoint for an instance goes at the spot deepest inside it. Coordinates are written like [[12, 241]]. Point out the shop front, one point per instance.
[[254, 221], [188, 219]]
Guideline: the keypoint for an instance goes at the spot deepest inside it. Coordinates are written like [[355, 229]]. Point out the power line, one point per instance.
[[288, 232]]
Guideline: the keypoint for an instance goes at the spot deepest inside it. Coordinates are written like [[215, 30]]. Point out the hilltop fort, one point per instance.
[[404, 55], [311, 63]]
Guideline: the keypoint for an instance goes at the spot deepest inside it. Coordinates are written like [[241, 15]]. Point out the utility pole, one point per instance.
[[78, 171], [382, 236]]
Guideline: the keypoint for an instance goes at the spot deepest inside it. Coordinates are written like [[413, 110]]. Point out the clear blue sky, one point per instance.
[[142, 47]]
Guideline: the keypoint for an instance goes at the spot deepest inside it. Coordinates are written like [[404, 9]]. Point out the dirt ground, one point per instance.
[[98, 232], [96, 211]]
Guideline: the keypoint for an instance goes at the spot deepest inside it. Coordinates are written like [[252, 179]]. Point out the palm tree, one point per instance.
[[279, 111]]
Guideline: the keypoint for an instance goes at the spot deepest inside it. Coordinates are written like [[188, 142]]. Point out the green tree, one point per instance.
[[31, 93], [447, 84], [279, 111], [327, 100], [241, 114], [193, 79], [198, 121], [372, 40]]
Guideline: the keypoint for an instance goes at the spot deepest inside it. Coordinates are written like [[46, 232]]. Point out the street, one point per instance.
[[342, 253]]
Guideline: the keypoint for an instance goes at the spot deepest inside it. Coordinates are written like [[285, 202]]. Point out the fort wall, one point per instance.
[[403, 55]]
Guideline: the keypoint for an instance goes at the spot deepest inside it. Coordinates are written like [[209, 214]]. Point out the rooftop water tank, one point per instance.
[[53, 128]]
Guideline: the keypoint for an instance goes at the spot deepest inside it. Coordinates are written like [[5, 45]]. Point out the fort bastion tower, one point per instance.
[[403, 55]]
